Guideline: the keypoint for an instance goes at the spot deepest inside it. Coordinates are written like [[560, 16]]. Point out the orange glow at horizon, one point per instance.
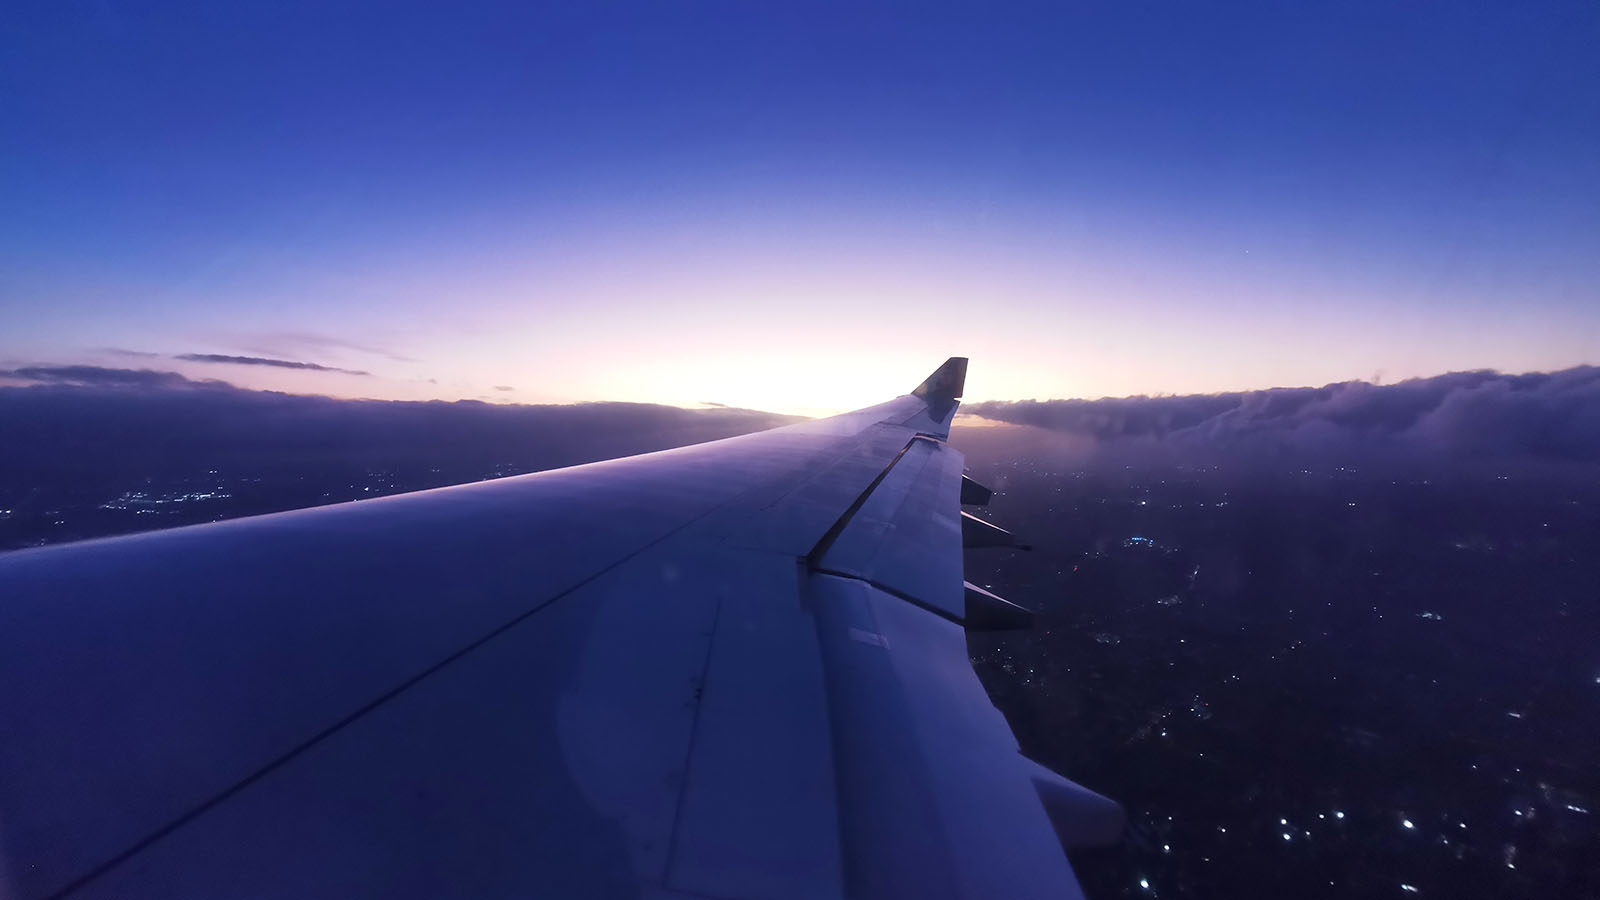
[[801, 320]]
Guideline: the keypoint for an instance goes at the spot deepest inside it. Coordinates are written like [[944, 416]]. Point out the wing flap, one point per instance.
[[934, 799], [758, 817], [906, 537]]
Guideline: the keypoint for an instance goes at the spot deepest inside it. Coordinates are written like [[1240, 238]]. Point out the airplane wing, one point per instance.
[[731, 670]]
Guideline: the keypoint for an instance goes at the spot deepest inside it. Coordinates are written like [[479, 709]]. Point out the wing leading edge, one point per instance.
[[736, 669]]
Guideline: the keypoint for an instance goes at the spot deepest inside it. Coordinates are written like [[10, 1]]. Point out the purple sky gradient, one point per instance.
[[695, 206]]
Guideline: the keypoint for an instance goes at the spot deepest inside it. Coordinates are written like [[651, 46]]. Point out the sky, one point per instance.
[[799, 208]]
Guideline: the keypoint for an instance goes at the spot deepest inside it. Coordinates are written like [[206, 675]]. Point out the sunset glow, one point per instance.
[[790, 215]]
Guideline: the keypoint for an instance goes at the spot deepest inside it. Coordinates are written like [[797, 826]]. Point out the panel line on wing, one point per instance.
[[832, 534], [289, 755], [893, 592], [688, 756]]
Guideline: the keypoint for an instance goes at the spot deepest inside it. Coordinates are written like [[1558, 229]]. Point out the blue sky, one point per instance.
[[689, 202]]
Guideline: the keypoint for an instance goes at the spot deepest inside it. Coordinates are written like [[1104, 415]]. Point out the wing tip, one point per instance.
[[947, 382]]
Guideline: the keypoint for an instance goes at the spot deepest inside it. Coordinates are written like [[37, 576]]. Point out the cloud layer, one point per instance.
[[92, 422], [1540, 417], [1545, 416], [263, 361], [100, 376]]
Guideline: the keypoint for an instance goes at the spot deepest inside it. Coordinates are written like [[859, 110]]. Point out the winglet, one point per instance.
[[946, 382]]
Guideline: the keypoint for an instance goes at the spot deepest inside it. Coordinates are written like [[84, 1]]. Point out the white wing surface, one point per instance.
[[731, 670]]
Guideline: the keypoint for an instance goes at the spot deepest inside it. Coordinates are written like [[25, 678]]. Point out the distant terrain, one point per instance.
[[1308, 679], [81, 460]]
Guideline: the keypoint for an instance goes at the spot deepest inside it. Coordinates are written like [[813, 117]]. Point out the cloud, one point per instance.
[[81, 422], [1482, 414], [99, 376], [263, 361], [292, 342], [504, 387]]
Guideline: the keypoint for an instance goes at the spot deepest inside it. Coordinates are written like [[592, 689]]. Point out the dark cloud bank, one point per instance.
[[92, 422], [1463, 417], [97, 376], [86, 419]]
